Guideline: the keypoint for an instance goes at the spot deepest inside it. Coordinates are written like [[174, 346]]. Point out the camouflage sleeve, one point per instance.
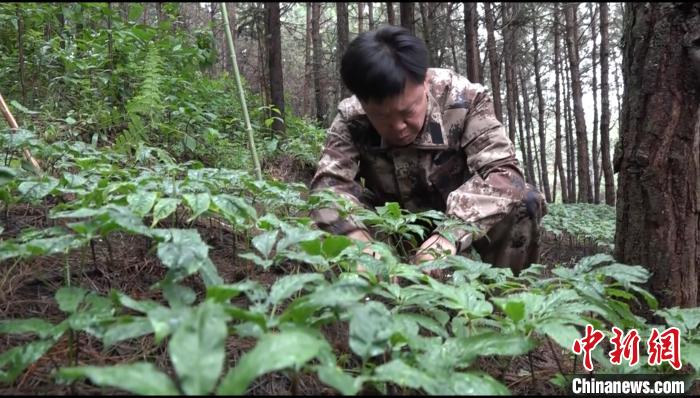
[[497, 184], [336, 171]]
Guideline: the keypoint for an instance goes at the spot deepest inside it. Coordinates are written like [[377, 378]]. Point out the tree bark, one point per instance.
[[316, 43], [427, 32], [471, 26], [360, 17], [307, 62], [343, 41], [521, 136], [390, 15], [540, 115], [493, 62], [658, 207], [605, 111], [527, 114], [570, 143], [370, 15], [20, 53], [585, 193], [594, 86], [274, 51], [558, 161], [510, 14], [407, 18]]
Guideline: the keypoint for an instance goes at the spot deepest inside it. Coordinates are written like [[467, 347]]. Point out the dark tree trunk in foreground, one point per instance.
[[585, 193], [390, 15], [594, 85], [540, 116], [343, 35], [274, 51], [658, 201], [508, 13], [558, 158], [316, 44], [493, 62], [407, 19], [605, 111], [472, 42]]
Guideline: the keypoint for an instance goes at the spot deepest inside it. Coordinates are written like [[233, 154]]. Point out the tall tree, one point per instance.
[[343, 41], [605, 111], [594, 86], [390, 15], [527, 114], [493, 62], [658, 207], [471, 40], [558, 161], [521, 136], [407, 19], [585, 193], [316, 44], [427, 23], [540, 113], [307, 61], [370, 15], [510, 13], [570, 142], [360, 16], [274, 50]]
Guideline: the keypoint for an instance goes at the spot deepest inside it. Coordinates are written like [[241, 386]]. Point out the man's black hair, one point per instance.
[[377, 64]]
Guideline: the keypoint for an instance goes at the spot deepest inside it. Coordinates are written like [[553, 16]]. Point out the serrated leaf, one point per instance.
[[197, 348], [198, 203], [138, 378], [141, 202], [274, 351], [163, 209], [69, 298]]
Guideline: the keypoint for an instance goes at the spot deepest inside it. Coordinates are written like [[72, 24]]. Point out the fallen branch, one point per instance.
[[13, 125]]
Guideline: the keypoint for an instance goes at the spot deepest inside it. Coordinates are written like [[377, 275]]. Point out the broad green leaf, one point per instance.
[[290, 284], [141, 202], [370, 329], [6, 175], [210, 275], [257, 260], [515, 310], [48, 246], [691, 354], [198, 203], [564, 335], [492, 343], [234, 209], [69, 298], [197, 348], [335, 377], [16, 359], [274, 351], [295, 235], [163, 209], [35, 190], [178, 295], [469, 384], [265, 242], [333, 245], [686, 319], [29, 325], [398, 372], [185, 251], [126, 328], [165, 320], [138, 378], [223, 293]]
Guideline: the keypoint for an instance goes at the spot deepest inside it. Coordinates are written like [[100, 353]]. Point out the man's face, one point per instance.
[[399, 119]]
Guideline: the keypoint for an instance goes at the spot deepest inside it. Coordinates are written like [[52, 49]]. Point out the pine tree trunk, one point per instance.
[[570, 146], [527, 114], [427, 30], [521, 136], [585, 193], [471, 25], [558, 161], [605, 111], [390, 15], [596, 150], [509, 46], [658, 208], [360, 17], [316, 43], [343, 41], [407, 18], [540, 115], [274, 48], [370, 15], [493, 62], [307, 62]]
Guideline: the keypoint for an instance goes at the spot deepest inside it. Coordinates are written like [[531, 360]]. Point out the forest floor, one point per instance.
[[127, 263]]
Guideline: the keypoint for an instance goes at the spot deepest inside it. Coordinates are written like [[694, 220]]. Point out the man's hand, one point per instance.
[[431, 247]]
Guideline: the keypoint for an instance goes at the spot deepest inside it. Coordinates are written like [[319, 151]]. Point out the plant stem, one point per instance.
[[556, 359]]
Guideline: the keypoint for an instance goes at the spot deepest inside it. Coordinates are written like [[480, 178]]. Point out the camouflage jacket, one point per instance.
[[462, 162]]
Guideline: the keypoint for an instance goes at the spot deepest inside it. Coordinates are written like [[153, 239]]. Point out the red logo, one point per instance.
[[665, 347], [627, 348], [586, 344]]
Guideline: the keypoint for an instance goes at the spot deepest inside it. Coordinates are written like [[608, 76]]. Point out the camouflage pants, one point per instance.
[[514, 241]]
